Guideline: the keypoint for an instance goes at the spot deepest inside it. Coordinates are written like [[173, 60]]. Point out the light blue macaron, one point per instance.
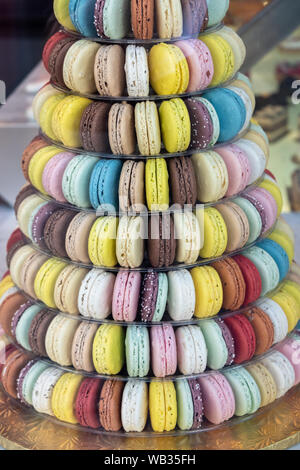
[[278, 254], [23, 326], [254, 219], [137, 346], [217, 352], [82, 16], [267, 268], [217, 10], [231, 111], [185, 405], [162, 297], [246, 392], [76, 180], [104, 184], [30, 379]]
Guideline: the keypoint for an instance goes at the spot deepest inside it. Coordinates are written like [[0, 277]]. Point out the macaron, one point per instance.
[[246, 99], [267, 267], [244, 337], [40, 98], [64, 397], [169, 18], [52, 42], [137, 351], [275, 191], [10, 302], [205, 123], [125, 300], [251, 277], [181, 295], [82, 346], [94, 127], [132, 187], [175, 125], [21, 324], [35, 145], [219, 343], [163, 350], [37, 223], [215, 234], [253, 216], [278, 254], [289, 305], [121, 132], [195, 16], [208, 290], [189, 404], [55, 231], [109, 349], [76, 242], [277, 317], [182, 181], [147, 128], [246, 391], [16, 361], [104, 185], [191, 350], [237, 45], [109, 71], [102, 241], [110, 405], [27, 379], [25, 210], [153, 296], [37, 165], [95, 294], [86, 403], [61, 12], [200, 63], [230, 110], [162, 406], [157, 184], [265, 383], [238, 168], [112, 20], [53, 175], [76, 178], [263, 329], [281, 370], [46, 115], [82, 16], [67, 288], [142, 18], [59, 338], [188, 237], [237, 224], [256, 158], [233, 283], [222, 56], [57, 58], [45, 280], [161, 243], [134, 410], [284, 240], [291, 348], [217, 10], [16, 263], [130, 241], [211, 176], [218, 398], [43, 389], [137, 70], [38, 330]]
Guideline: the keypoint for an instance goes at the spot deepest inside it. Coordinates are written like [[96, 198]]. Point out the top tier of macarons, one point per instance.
[[143, 20]]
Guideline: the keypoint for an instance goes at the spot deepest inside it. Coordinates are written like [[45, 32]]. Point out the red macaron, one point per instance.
[[252, 279], [87, 403], [15, 237], [244, 337], [49, 46]]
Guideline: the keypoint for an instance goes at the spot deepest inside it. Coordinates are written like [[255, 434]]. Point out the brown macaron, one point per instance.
[[182, 181], [8, 308], [77, 237], [55, 231], [38, 330], [161, 241], [121, 129], [142, 18], [57, 58], [132, 186], [109, 70], [26, 191], [233, 283], [11, 371], [263, 328], [94, 127], [110, 405]]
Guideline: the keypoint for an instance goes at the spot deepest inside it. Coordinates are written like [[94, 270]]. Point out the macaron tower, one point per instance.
[[148, 279]]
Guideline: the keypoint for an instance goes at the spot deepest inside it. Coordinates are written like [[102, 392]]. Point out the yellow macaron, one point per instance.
[[45, 280], [289, 305], [46, 114], [157, 184], [214, 231], [162, 406], [265, 383], [208, 290], [274, 190], [5, 284], [293, 289], [102, 241], [61, 11], [37, 165], [109, 349], [175, 125], [64, 396], [223, 58]]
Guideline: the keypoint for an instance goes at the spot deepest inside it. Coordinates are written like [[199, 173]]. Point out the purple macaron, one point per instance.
[[148, 297], [265, 204], [39, 222], [201, 122], [229, 341], [198, 403]]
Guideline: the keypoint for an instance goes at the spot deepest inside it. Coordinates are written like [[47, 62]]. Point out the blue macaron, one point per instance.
[[217, 9], [104, 184], [231, 111], [278, 254], [23, 326], [82, 16]]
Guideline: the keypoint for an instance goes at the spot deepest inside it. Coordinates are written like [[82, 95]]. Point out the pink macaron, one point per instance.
[[163, 350], [238, 168], [126, 296], [257, 158], [266, 205], [53, 175], [291, 350], [200, 63], [218, 398]]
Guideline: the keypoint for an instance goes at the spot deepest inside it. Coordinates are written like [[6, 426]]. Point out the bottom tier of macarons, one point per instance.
[[159, 406]]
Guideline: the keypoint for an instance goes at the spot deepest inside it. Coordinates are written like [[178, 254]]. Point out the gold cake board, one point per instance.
[[275, 428]]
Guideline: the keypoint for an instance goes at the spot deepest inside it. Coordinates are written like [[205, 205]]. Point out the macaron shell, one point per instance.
[[64, 396]]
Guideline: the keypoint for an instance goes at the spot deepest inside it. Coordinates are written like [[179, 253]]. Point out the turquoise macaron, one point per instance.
[[28, 378], [254, 219], [185, 405], [217, 10], [137, 347], [278, 254], [82, 16], [231, 112], [76, 180], [217, 352], [104, 184], [246, 392], [266, 266], [162, 297], [23, 326]]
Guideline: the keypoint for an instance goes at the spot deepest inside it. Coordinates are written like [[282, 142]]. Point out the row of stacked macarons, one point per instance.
[[137, 186], [121, 128], [115, 404], [205, 291], [117, 19], [160, 350], [170, 69]]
